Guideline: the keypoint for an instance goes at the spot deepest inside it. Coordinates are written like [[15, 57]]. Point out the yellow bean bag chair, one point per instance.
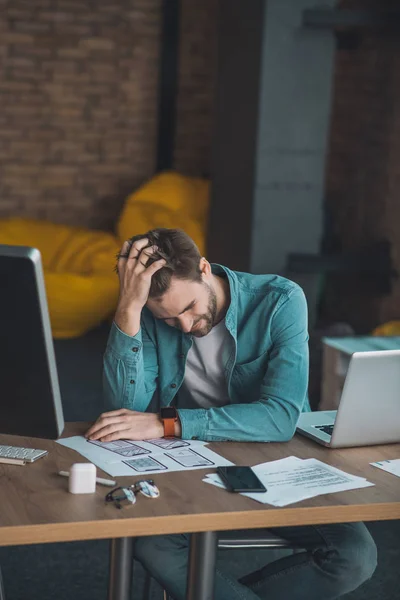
[[388, 329], [82, 288], [167, 200]]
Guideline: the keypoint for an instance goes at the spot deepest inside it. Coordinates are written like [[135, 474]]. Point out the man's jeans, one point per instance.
[[334, 560]]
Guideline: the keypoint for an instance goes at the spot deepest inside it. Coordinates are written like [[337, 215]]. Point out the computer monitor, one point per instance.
[[30, 402]]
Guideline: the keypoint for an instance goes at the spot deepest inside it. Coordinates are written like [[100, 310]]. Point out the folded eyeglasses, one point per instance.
[[123, 497]]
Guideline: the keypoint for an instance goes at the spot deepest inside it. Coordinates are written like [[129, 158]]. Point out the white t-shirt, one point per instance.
[[204, 384]]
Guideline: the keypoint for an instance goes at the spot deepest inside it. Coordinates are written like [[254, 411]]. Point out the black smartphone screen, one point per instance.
[[240, 479]]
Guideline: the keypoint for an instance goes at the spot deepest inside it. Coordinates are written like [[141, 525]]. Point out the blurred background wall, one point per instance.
[[363, 168], [79, 94], [78, 103]]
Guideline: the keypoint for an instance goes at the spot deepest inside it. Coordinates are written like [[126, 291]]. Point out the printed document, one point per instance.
[[292, 479], [391, 466]]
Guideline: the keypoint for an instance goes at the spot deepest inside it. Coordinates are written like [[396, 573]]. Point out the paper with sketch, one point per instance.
[[291, 479], [391, 466], [129, 448], [124, 457]]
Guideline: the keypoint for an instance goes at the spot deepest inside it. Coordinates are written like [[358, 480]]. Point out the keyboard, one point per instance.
[[27, 454], [325, 428]]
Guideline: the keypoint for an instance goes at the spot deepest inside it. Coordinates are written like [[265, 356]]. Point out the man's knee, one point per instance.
[[359, 551], [165, 558], [353, 555], [151, 550]]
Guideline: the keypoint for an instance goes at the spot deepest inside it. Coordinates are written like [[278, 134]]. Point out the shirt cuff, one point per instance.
[[125, 346], [193, 423]]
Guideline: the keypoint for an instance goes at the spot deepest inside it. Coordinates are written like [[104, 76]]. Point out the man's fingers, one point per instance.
[[125, 248], [137, 257], [143, 258], [117, 435], [108, 429], [130, 251], [137, 247], [122, 257], [104, 422], [116, 413], [156, 266]]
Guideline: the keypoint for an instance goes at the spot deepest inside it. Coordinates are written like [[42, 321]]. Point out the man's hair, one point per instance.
[[180, 253]]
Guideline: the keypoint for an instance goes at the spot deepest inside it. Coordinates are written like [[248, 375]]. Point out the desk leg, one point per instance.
[[121, 567], [2, 593], [201, 574]]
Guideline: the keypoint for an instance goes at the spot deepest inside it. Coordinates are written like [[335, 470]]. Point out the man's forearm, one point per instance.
[[128, 320], [264, 421], [123, 372]]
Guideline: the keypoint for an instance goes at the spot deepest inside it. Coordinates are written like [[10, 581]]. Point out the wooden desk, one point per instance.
[[36, 508]]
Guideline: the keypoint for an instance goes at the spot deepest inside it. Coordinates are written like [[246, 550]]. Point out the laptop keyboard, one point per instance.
[[325, 428]]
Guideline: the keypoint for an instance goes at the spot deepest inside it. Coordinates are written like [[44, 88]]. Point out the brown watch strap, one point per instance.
[[169, 427]]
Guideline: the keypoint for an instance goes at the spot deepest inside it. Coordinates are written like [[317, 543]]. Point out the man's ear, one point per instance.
[[205, 267]]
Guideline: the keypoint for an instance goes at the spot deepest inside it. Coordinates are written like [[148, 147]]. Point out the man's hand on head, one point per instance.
[[125, 424], [136, 266], [135, 282]]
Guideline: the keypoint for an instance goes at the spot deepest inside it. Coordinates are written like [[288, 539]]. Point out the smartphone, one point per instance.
[[240, 479]]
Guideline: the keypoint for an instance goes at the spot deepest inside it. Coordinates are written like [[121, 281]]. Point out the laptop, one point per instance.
[[369, 408]]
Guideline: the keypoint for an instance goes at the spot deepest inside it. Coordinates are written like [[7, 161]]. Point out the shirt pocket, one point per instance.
[[247, 377]]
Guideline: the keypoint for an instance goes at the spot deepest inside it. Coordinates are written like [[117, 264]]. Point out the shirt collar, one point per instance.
[[231, 314]]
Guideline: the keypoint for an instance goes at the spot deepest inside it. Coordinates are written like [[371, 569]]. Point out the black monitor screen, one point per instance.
[[29, 394]]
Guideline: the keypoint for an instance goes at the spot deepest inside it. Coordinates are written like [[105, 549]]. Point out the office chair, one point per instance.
[[233, 540]]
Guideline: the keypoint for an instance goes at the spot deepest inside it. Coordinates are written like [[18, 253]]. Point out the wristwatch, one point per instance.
[[169, 416]]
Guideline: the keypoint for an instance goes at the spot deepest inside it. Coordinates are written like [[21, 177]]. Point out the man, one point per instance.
[[229, 351]]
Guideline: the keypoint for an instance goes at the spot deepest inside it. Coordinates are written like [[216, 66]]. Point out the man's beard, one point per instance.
[[209, 317]]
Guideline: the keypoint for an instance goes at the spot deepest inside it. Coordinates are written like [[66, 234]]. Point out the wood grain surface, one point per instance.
[[36, 506]]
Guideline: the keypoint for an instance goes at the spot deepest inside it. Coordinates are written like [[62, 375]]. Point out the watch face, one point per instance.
[[169, 412]]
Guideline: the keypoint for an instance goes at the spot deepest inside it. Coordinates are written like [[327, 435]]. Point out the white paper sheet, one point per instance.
[[125, 457], [391, 466], [291, 479], [121, 449]]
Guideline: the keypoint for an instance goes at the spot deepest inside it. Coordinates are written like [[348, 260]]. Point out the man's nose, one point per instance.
[[185, 323]]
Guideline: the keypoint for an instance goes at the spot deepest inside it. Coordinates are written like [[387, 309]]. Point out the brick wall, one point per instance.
[[363, 176], [78, 117], [78, 106], [197, 60]]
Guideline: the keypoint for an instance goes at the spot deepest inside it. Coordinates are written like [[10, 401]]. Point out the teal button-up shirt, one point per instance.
[[266, 366]]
